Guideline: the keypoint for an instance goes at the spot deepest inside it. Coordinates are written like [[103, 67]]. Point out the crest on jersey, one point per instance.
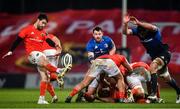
[[43, 34], [96, 47], [106, 45]]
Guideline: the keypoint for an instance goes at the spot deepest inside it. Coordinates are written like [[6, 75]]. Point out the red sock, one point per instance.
[[51, 68], [43, 87], [53, 76], [74, 92], [50, 89], [121, 94]]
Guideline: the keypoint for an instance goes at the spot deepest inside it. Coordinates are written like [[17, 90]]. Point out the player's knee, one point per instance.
[[44, 78], [43, 62], [153, 68], [43, 74], [166, 78]]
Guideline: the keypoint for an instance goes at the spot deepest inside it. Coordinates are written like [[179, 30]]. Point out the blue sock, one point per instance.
[[153, 84]]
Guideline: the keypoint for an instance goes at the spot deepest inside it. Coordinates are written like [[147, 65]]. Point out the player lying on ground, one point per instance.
[[102, 88], [109, 65], [151, 39]]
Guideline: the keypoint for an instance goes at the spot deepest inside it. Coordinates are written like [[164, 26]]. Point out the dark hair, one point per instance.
[[42, 16], [140, 28], [97, 29]]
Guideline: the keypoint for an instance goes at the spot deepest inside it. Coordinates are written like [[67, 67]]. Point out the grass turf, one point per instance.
[[27, 98]]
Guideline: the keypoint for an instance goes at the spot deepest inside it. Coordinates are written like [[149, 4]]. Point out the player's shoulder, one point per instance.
[[106, 37], [158, 31], [50, 35], [28, 28], [91, 41]]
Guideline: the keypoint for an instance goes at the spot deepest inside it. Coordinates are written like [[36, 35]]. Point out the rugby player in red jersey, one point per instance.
[[52, 55], [34, 36]]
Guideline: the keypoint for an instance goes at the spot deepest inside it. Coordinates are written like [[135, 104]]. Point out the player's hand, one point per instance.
[[7, 54], [134, 20], [126, 19]]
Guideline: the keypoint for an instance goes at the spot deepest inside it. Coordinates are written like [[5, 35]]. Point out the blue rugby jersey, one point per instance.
[[152, 42], [100, 48]]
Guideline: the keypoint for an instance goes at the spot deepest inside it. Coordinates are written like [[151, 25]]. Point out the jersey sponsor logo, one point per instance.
[[33, 39], [147, 40]]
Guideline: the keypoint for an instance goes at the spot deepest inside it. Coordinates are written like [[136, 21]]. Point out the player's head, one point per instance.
[[142, 31], [97, 33], [104, 92], [42, 21], [89, 98]]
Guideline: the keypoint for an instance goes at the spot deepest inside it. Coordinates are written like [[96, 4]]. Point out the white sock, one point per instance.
[[42, 97], [54, 96]]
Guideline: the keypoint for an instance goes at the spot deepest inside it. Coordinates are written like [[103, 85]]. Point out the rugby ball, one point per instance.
[[66, 60]]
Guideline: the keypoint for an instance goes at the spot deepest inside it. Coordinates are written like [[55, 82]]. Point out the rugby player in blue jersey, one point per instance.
[[97, 46], [150, 37]]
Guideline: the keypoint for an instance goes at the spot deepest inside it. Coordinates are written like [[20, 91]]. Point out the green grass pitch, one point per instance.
[[27, 98]]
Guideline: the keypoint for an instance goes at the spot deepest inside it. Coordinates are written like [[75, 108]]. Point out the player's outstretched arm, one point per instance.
[[143, 24], [13, 47]]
